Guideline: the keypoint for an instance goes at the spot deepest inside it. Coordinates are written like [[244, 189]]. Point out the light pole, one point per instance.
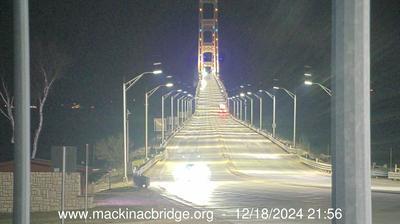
[[273, 109], [234, 105], [237, 106], [162, 114], [260, 109], [240, 108], [244, 96], [326, 89], [125, 87], [146, 119], [172, 109], [179, 108], [189, 105], [293, 96]]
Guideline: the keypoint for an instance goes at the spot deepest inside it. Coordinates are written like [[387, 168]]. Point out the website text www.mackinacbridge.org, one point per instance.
[[127, 214]]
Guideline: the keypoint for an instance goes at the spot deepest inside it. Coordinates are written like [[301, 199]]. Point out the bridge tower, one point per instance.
[[208, 38]]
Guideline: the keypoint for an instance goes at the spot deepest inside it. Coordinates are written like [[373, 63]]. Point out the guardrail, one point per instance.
[[394, 175], [316, 164], [326, 167]]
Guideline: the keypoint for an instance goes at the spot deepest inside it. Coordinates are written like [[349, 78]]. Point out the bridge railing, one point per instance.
[[222, 87], [316, 163]]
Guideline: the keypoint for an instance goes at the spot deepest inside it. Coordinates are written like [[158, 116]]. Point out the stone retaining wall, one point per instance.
[[45, 191]]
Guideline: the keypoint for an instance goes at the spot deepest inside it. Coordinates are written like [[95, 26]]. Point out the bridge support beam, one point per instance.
[[351, 179]]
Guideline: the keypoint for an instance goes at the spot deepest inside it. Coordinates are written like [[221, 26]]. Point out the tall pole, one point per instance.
[[86, 176], [351, 133], [238, 109], [22, 150], [162, 119], [251, 111], [182, 112], [245, 110], [146, 119], [390, 159], [273, 116], [178, 112], [63, 182], [294, 120], [241, 109], [125, 132], [172, 113], [261, 112], [234, 107]]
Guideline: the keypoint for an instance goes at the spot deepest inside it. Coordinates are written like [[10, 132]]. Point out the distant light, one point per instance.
[[260, 91], [308, 82], [169, 85], [249, 93], [242, 94], [307, 74], [242, 86], [184, 92], [276, 87], [233, 97], [169, 77], [179, 90], [157, 72], [237, 96], [190, 95]]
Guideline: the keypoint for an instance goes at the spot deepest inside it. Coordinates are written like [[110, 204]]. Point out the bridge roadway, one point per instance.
[[216, 163]]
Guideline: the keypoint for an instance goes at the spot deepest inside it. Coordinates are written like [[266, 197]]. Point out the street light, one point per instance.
[[179, 108], [273, 109], [260, 99], [293, 96], [242, 95], [179, 91], [125, 87], [189, 109], [239, 108], [162, 113], [326, 89], [147, 96], [247, 95]]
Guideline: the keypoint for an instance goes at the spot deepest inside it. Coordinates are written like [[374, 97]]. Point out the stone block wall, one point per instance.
[[45, 191]]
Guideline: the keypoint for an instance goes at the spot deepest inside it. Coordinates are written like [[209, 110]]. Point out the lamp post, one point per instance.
[[147, 96], [260, 109], [237, 106], [162, 114], [244, 95], [273, 109], [293, 96], [233, 106], [172, 109], [240, 108], [326, 89], [125, 87], [179, 109], [189, 100]]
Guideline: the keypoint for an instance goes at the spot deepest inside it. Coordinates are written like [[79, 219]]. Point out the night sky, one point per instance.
[[262, 42]]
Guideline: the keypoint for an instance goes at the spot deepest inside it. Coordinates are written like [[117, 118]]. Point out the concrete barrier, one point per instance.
[[326, 167], [394, 175]]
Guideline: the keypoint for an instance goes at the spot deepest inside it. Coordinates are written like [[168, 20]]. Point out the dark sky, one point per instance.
[[260, 41]]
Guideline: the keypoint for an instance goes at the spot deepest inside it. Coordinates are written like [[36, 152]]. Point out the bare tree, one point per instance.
[[49, 63], [6, 109]]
